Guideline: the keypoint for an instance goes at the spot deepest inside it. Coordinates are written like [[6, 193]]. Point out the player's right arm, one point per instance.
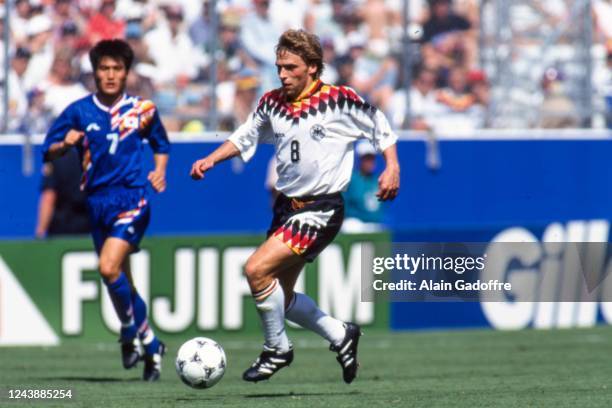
[[243, 142], [224, 152], [63, 134], [57, 149], [375, 127]]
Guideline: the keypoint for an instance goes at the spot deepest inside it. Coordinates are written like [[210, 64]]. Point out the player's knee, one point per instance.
[[251, 269], [109, 270], [254, 271]]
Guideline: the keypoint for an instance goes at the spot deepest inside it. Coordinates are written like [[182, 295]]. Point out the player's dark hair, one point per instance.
[[304, 44], [115, 49]]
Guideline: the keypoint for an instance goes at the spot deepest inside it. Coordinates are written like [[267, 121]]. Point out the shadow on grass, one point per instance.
[[94, 379], [299, 394], [291, 394]]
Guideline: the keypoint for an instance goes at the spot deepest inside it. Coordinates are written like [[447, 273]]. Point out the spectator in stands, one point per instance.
[[103, 25], [170, 50], [61, 207], [38, 117], [375, 73], [247, 89], [346, 68], [70, 37], [66, 17], [602, 13], [226, 94], [176, 58], [40, 45], [18, 101], [19, 64], [200, 30], [147, 12], [134, 37], [19, 21], [258, 36], [139, 78], [456, 105], [456, 95], [446, 37], [557, 109], [377, 19], [229, 43], [289, 14], [330, 73], [422, 102], [324, 18], [442, 21], [362, 208], [139, 84], [60, 87], [352, 35]]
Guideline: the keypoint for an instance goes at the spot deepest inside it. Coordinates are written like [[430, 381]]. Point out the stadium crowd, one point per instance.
[[175, 48]]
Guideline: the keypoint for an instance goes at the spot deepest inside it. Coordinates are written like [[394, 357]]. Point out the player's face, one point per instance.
[[111, 76], [295, 75]]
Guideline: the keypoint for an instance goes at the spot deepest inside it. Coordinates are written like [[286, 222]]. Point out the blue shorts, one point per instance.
[[118, 212]]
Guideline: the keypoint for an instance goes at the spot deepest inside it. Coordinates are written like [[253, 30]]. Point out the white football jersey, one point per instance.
[[313, 136]]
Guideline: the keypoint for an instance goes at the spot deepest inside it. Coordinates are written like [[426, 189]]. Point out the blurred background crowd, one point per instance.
[[452, 65]]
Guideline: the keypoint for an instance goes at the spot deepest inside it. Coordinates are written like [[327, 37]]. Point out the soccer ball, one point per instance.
[[200, 362]]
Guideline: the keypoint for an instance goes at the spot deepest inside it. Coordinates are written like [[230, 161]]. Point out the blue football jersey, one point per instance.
[[112, 149]]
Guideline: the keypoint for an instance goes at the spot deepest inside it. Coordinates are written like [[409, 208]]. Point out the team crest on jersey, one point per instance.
[[92, 126], [317, 132], [130, 122], [138, 116]]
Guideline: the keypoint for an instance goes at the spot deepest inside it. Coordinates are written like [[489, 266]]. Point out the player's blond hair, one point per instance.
[[304, 44]]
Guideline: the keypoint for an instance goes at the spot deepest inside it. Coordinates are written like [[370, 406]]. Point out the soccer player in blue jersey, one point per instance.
[[108, 129]]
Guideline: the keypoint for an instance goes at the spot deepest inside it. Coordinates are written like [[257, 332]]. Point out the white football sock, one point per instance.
[[270, 304], [304, 311]]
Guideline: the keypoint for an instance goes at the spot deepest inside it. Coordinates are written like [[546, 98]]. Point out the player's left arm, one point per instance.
[[158, 140], [376, 128], [389, 180], [157, 177]]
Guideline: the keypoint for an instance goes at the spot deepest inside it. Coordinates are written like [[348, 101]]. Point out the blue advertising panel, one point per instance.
[[482, 190]]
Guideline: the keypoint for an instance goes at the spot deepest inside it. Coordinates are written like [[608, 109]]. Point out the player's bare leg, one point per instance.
[[287, 278], [265, 264], [262, 271], [301, 309], [114, 253]]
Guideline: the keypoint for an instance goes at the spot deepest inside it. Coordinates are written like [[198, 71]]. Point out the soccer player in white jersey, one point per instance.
[[313, 127]]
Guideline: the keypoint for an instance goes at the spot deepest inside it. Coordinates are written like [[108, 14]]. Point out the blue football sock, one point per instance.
[[149, 341], [120, 293], [152, 347], [140, 312]]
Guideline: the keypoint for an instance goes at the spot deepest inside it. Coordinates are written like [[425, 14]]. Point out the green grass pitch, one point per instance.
[[477, 368]]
